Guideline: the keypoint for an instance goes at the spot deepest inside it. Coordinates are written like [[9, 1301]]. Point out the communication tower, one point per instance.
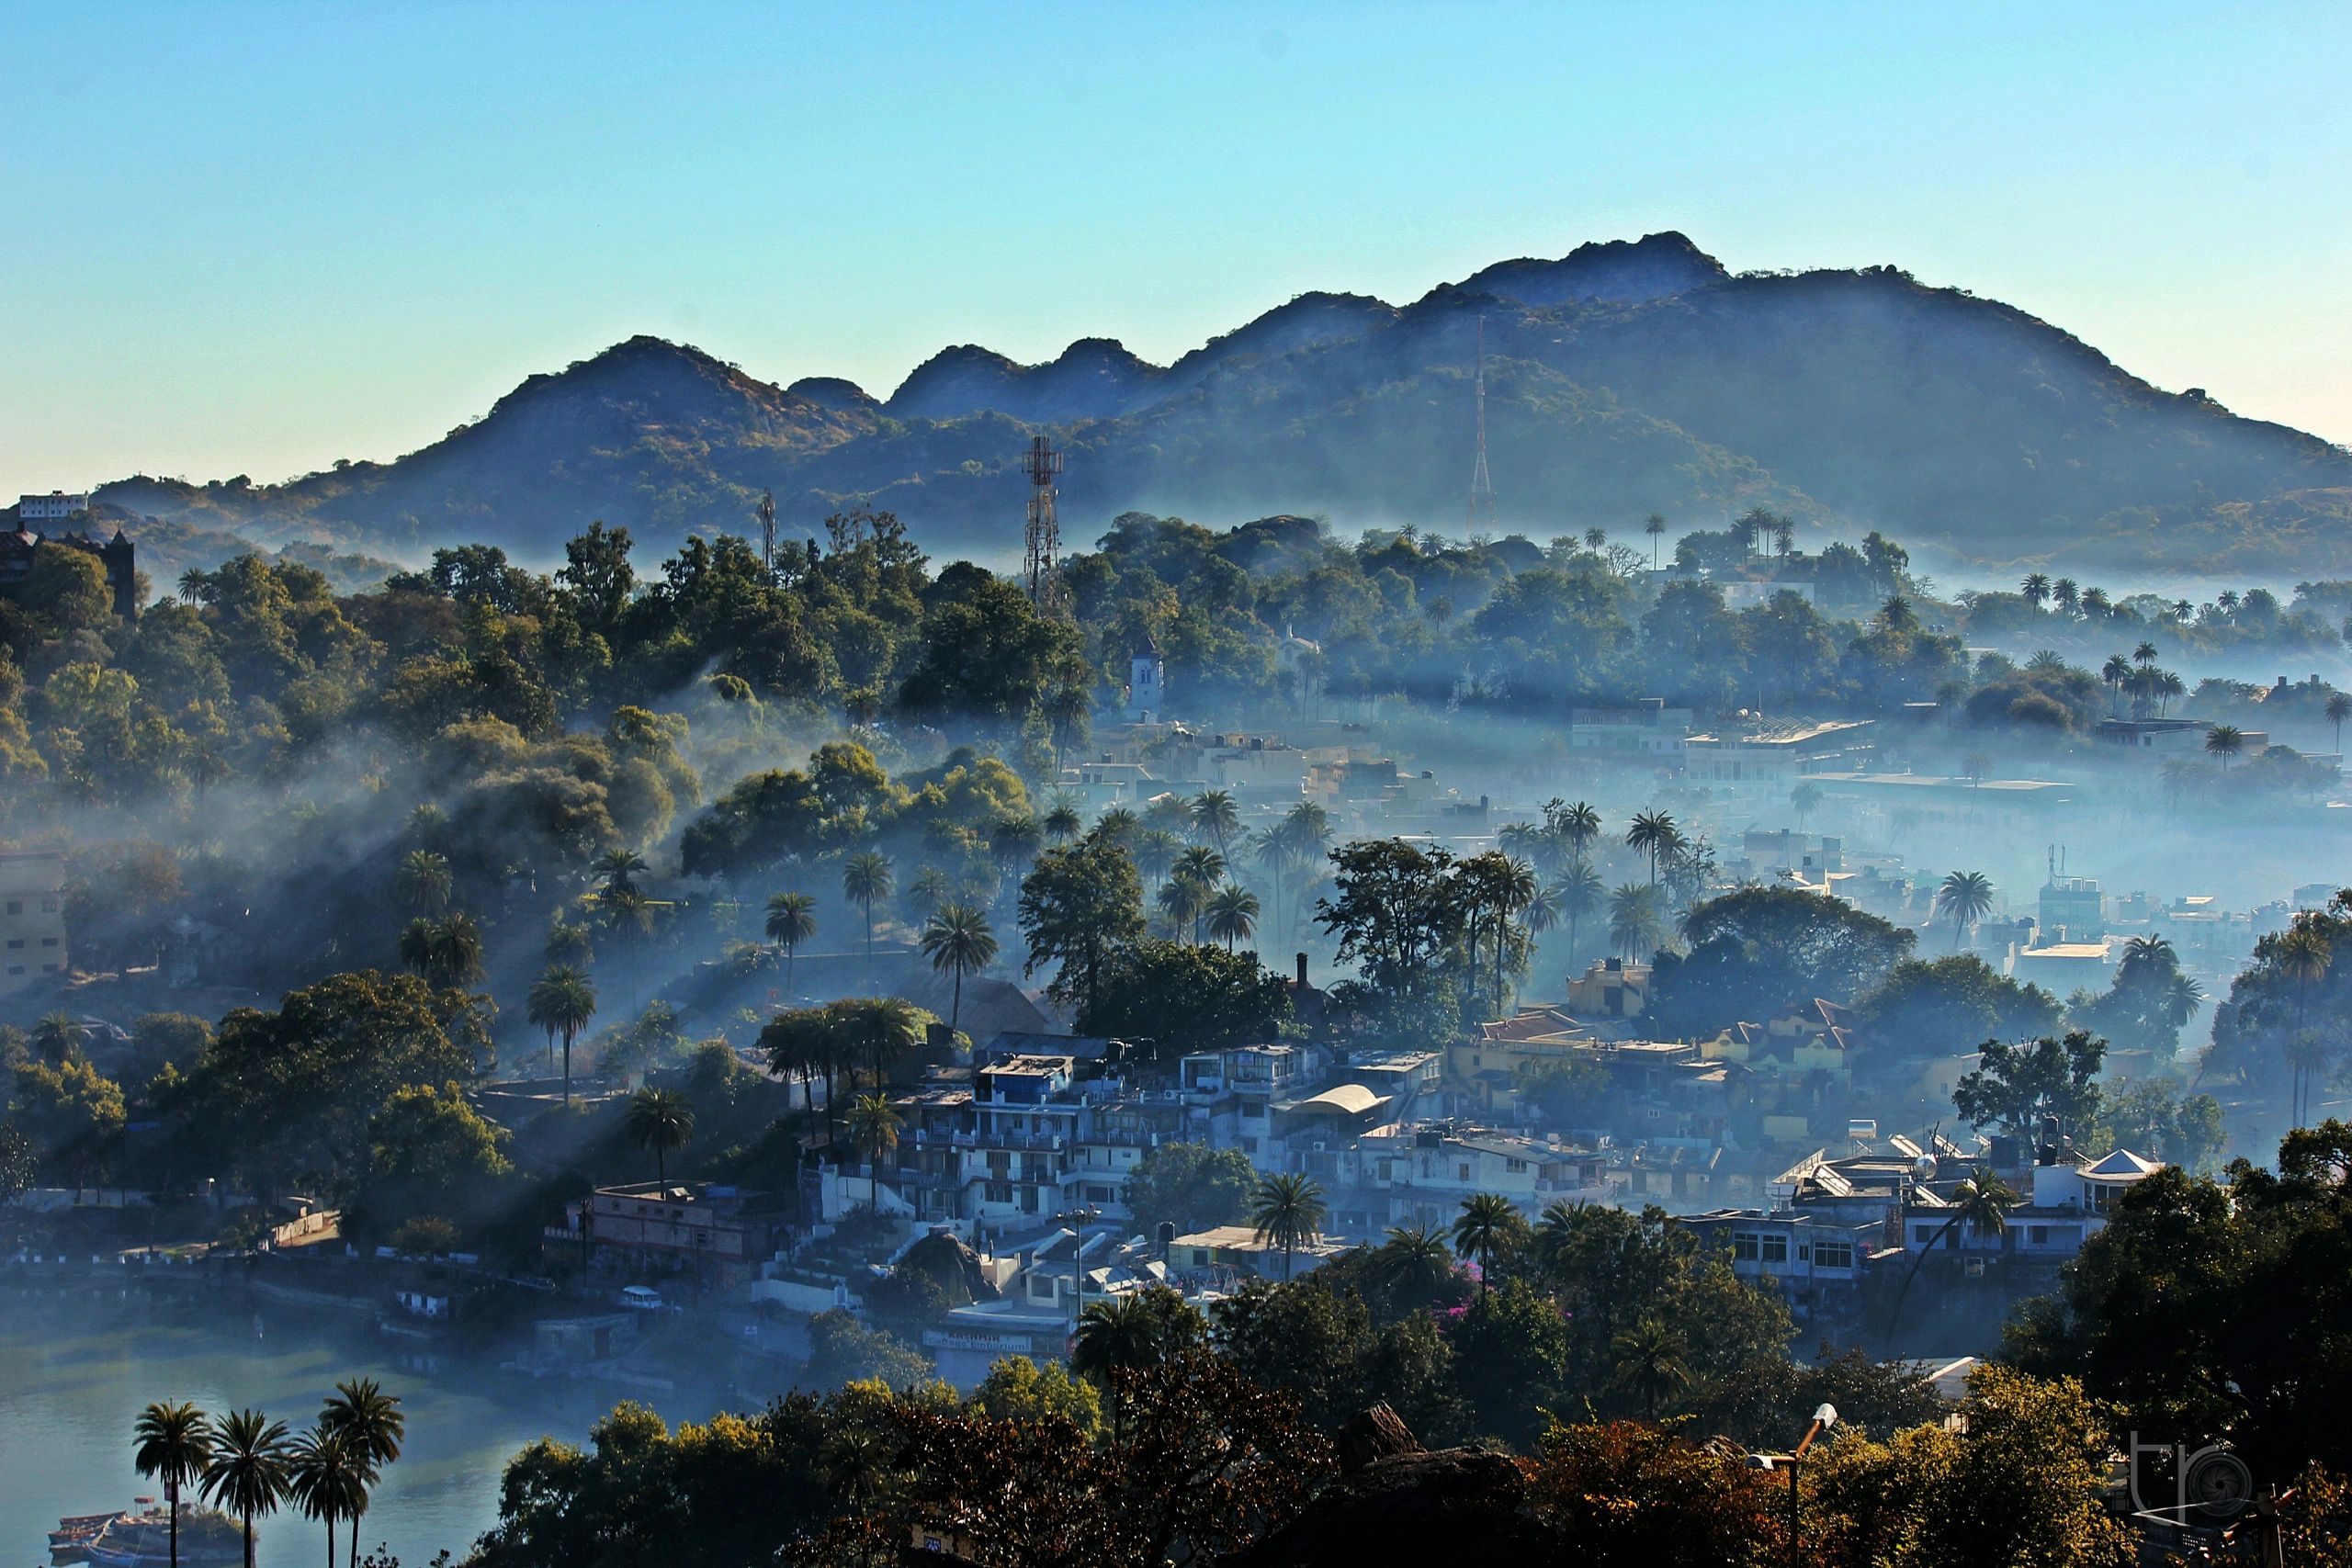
[[1041, 566], [1482, 487], [768, 530]]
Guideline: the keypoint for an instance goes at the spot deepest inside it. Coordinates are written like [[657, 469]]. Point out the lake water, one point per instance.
[[78, 1363]]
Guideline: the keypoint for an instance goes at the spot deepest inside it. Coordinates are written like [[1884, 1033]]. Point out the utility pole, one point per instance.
[[1482, 487]]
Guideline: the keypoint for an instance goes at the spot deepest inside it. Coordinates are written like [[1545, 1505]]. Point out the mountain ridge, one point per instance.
[[1625, 376]]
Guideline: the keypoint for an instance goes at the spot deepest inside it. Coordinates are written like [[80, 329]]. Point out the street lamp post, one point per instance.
[[1825, 1417]]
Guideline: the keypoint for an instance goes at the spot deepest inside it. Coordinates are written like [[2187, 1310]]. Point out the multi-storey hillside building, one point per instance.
[[32, 918]]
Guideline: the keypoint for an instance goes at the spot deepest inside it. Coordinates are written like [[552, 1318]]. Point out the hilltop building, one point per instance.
[[57, 506]]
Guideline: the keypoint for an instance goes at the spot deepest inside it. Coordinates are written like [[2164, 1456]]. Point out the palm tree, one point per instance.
[[423, 881], [886, 1026], [618, 870], [1232, 912], [1578, 825], [1062, 822], [562, 1002], [1214, 817], [957, 939], [1633, 925], [1805, 800], [1287, 1212], [371, 1419], [1197, 874], [1656, 832], [1513, 888], [874, 1125], [174, 1442], [1983, 1203], [930, 889], [1653, 526], [60, 1037], [1183, 901], [1967, 898], [1485, 1228], [1014, 839], [1596, 540], [792, 919], [1200, 865], [246, 1471], [2303, 955], [1121, 1334], [866, 882], [1649, 1363], [567, 943], [662, 1121], [327, 1476], [2114, 673], [2035, 589], [1414, 1263], [2225, 741], [447, 951], [2339, 709], [1156, 851], [1578, 892]]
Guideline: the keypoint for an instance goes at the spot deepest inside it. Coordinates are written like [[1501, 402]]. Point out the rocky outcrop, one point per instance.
[[1396, 1502]]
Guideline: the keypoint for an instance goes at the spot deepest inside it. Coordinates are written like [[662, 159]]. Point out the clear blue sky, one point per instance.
[[255, 237]]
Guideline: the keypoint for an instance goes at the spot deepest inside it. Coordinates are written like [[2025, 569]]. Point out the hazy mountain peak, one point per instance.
[[835, 392], [1652, 267]]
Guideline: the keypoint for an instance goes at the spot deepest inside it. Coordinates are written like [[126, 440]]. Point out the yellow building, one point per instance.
[[1796, 1043], [32, 918]]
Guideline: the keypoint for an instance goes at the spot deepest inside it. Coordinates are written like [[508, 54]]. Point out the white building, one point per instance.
[[1147, 687], [55, 507]]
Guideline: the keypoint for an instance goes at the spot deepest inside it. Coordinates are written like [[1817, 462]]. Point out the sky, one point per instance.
[[252, 239]]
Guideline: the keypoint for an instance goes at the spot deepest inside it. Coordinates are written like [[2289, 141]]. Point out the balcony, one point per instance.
[[1041, 1142]]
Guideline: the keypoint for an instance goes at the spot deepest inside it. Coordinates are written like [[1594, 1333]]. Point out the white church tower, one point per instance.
[[1147, 677]]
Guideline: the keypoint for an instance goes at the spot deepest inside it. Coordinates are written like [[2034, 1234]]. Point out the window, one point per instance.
[[998, 1192], [1833, 1255], [49, 906], [1464, 1171], [1743, 1246], [49, 942], [2038, 1235], [15, 943], [1514, 1166], [1776, 1249], [16, 968], [15, 906]]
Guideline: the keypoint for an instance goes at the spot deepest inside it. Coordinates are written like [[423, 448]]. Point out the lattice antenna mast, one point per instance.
[[768, 530], [1482, 487], [1041, 566]]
